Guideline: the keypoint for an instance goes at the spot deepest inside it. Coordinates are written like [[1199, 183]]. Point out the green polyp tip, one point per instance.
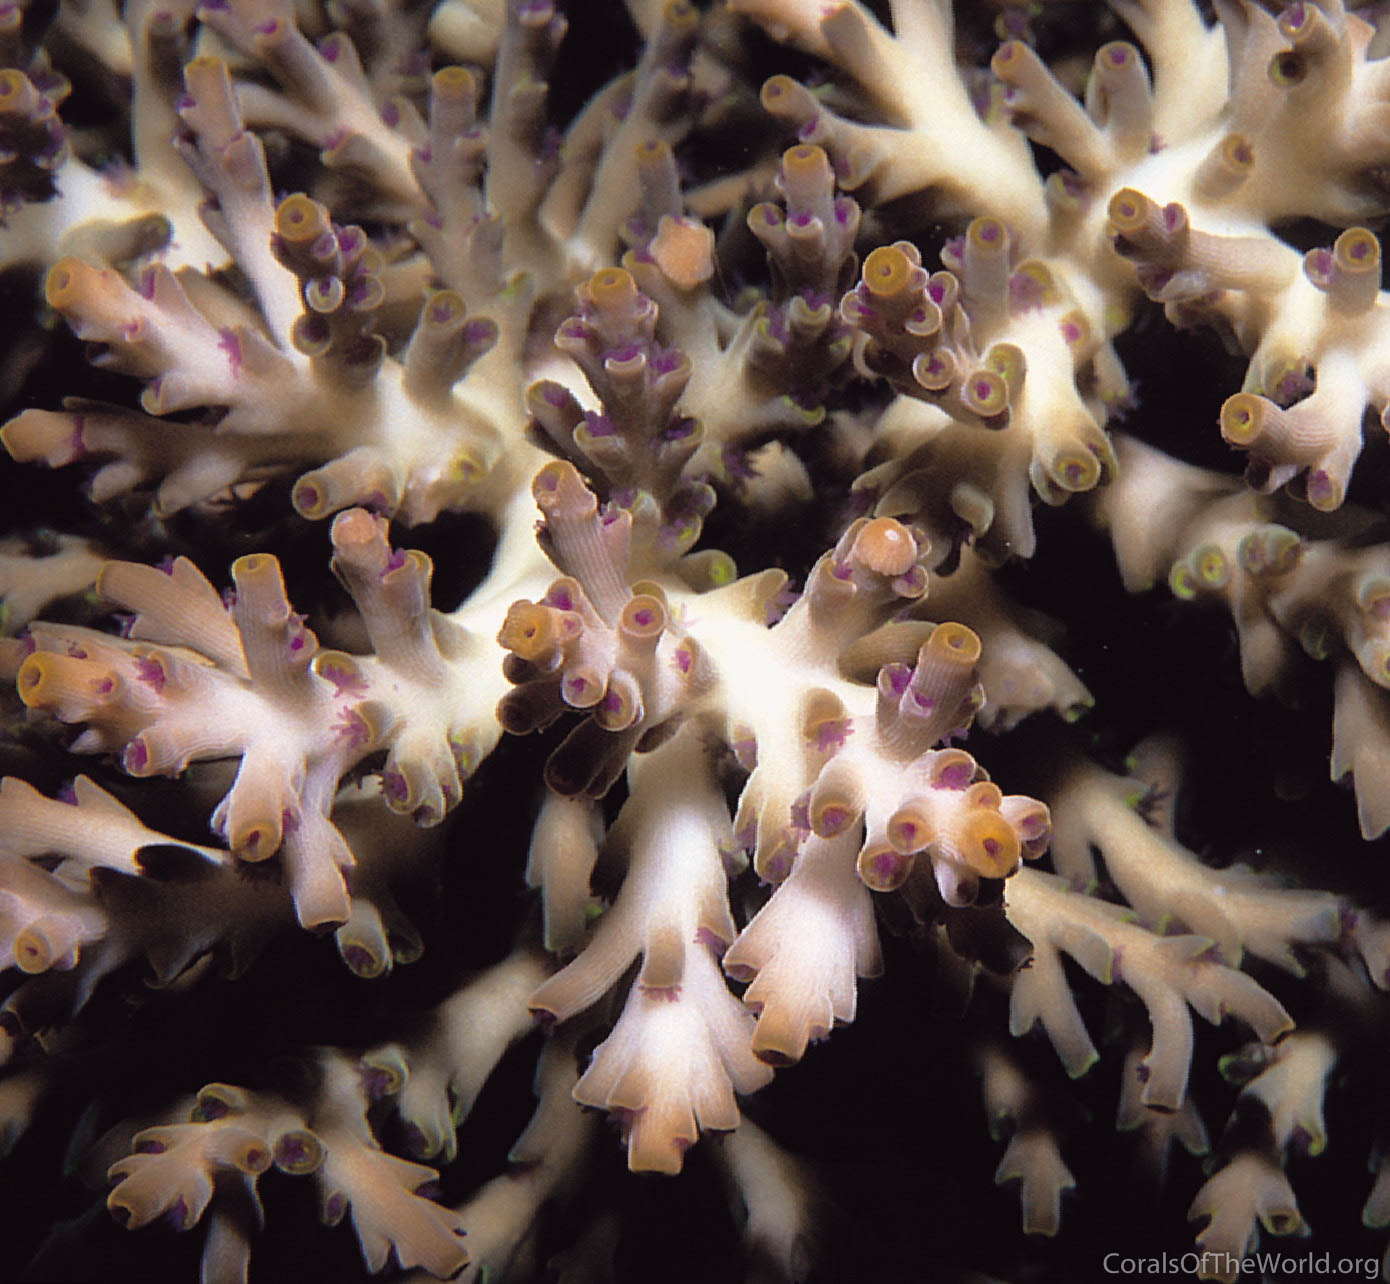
[[808, 416], [466, 467], [1282, 548], [1084, 1065], [1323, 492], [461, 746], [1252, 553], [309, 497], [722, 570], [1373, 596], [1007, 361], [1281, 1221], [518, 284], [1075, 470], [213, 1103], [362, 960], [1315, 639], [594, 909], [1181, 582], [1287, 69], [1212, 567], [685, 529]]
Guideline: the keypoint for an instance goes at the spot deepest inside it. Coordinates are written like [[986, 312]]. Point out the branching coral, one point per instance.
[[771, 456]]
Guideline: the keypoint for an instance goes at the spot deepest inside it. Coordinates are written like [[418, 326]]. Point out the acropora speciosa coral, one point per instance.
[[840, 515]]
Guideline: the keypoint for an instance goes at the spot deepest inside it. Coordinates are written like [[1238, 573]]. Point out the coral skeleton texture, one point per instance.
[[865, 515]]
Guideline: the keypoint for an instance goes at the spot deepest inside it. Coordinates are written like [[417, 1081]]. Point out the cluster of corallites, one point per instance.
[[722, 470]]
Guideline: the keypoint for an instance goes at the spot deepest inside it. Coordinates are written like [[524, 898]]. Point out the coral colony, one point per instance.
[[723, 469]]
